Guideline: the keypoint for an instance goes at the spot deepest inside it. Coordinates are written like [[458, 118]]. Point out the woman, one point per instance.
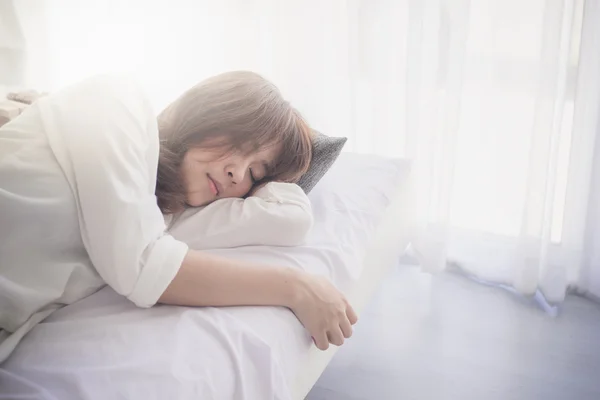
[[86, 172]]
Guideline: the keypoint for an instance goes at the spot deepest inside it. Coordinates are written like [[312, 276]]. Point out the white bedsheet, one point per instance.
[[103, 347]]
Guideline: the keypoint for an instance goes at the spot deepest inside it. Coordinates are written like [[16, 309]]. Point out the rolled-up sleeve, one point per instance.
[[278, 214], [104, 134]]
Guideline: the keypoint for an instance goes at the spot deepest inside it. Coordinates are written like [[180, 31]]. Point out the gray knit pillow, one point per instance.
[[326, 150]]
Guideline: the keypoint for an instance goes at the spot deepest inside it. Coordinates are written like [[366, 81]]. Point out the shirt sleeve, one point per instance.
[[279, 214], [104, 134]]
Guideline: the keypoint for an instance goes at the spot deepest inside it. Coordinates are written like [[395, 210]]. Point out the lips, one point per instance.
[[213, 186]]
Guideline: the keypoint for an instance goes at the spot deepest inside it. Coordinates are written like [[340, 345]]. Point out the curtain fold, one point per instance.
[[495, 101]]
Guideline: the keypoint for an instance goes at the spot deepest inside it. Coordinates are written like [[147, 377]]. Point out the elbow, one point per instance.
[[142, 277]]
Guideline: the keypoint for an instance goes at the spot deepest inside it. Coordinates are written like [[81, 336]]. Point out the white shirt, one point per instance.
[[78, 210]]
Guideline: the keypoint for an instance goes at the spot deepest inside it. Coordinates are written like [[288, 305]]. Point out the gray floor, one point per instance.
[[445, 337]]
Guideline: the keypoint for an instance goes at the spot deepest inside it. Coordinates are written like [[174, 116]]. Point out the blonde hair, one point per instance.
[[234, 111]]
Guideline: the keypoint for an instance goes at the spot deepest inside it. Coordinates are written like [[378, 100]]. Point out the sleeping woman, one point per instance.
[[90, 180]]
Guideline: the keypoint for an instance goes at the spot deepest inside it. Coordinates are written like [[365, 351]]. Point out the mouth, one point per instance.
[[214, 186]]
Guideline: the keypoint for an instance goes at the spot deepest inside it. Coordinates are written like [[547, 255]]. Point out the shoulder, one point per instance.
[[103, 120], [106, 105], [108, 93]]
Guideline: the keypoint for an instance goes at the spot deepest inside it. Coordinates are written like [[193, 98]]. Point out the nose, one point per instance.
[[235, 173]]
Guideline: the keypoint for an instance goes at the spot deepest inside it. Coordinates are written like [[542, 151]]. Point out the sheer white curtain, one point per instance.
[[12, 47], [496, 101]]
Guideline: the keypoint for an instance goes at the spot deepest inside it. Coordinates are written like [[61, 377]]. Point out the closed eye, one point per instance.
[[263, 172]]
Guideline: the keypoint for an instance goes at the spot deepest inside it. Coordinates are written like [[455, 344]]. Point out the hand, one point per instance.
[[324, 311]]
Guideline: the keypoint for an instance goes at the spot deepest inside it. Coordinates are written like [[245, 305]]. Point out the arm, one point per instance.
[[205, 279], [210, 280], [257, 220], [104, 135]]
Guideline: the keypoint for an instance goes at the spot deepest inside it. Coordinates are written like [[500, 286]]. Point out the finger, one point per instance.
[[351, 314], [335, 336], [321, 341], [346, 327]]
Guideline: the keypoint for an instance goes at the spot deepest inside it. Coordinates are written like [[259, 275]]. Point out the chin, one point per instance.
[[198, 202]]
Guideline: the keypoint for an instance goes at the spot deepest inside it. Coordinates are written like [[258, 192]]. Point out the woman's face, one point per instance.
[[209, 176]]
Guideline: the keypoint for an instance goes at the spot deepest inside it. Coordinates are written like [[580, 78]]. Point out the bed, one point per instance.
[[104, 347]]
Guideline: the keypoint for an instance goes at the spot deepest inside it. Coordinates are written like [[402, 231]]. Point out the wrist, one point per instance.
[[295, 281]]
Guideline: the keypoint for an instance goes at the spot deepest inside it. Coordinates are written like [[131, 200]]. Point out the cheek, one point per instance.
[[239, 190], [244, 189], [192, 181], [192, 172]]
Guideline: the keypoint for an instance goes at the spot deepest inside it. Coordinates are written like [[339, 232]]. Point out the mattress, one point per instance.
[[104, 347]]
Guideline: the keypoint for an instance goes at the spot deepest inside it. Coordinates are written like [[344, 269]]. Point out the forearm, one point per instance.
[[209, 280]]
